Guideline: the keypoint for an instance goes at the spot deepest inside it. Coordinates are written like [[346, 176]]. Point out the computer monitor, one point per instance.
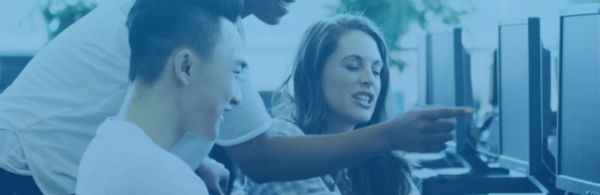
[[578, 160], [524, 95], [422, 84], [493, 90], [448, 75], [491, 122]]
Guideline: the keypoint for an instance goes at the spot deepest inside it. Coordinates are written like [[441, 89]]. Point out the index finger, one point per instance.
[[435, 114]]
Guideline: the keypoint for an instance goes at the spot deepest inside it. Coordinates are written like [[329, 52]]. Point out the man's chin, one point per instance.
[[271, 21], [206, 137]]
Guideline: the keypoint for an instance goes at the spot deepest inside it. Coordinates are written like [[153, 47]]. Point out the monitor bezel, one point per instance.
[[564, 182], [535, 65]]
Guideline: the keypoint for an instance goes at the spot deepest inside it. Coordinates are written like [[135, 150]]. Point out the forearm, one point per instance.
[[283, 158]]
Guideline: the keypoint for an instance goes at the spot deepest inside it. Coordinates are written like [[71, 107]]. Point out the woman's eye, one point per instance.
[[352, 67], [376, 73]]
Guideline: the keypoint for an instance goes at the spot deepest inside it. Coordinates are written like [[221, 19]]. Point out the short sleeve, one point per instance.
[[247, 120], [280, 126]]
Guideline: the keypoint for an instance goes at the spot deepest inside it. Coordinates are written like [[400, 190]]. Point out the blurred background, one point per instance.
[[27, 25]]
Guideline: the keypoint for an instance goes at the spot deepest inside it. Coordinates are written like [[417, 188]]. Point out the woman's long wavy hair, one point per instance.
[[387, 173]]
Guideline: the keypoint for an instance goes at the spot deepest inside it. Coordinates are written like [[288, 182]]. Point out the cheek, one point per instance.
[[377, 87], [225, 88], [216, 86], [232, 86], [337, 89], [339, 82], [329, 90]]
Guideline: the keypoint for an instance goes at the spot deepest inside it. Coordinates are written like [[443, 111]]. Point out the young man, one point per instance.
[[185, 57], [49, 115]]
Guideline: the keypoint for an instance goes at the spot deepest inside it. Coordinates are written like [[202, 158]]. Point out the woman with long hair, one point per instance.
[[340, 82]]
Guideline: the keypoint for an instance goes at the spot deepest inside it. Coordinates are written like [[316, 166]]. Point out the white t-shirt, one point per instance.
[[50, 113], [122, 159]]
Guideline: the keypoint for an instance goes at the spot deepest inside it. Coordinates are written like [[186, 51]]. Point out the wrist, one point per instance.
[[384, 136]]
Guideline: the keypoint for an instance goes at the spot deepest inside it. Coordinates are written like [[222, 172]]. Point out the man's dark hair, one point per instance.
[[157, 27]]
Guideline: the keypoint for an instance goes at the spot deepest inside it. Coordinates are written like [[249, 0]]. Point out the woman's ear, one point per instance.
[[183, 66]]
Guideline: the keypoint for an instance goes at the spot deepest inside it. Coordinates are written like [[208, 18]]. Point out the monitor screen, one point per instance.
[[514, 92], [449, 82], [442, 70], [493, 88], [579, 102]]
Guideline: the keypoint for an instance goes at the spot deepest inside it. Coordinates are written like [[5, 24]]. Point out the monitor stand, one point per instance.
[[462, 157], [479, 177]]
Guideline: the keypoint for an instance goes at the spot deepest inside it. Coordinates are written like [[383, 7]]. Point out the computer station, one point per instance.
[[531, 148]]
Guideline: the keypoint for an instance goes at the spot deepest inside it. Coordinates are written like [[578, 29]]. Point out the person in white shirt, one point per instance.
[[51, 111], [340, 82], [185, 59]]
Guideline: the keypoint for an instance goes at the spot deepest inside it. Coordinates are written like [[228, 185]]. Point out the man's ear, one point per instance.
[[183, 66]]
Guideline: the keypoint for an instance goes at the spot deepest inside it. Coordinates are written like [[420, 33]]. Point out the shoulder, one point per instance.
[[153, 161], [158, 174]]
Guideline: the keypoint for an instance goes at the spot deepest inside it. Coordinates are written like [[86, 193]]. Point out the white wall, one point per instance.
[[271, 49]]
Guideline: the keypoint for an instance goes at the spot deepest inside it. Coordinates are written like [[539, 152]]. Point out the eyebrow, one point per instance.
[[352, 56], [376, 62]]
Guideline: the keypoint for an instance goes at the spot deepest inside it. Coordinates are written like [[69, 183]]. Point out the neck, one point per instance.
[[336, 125], [155, 114]]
